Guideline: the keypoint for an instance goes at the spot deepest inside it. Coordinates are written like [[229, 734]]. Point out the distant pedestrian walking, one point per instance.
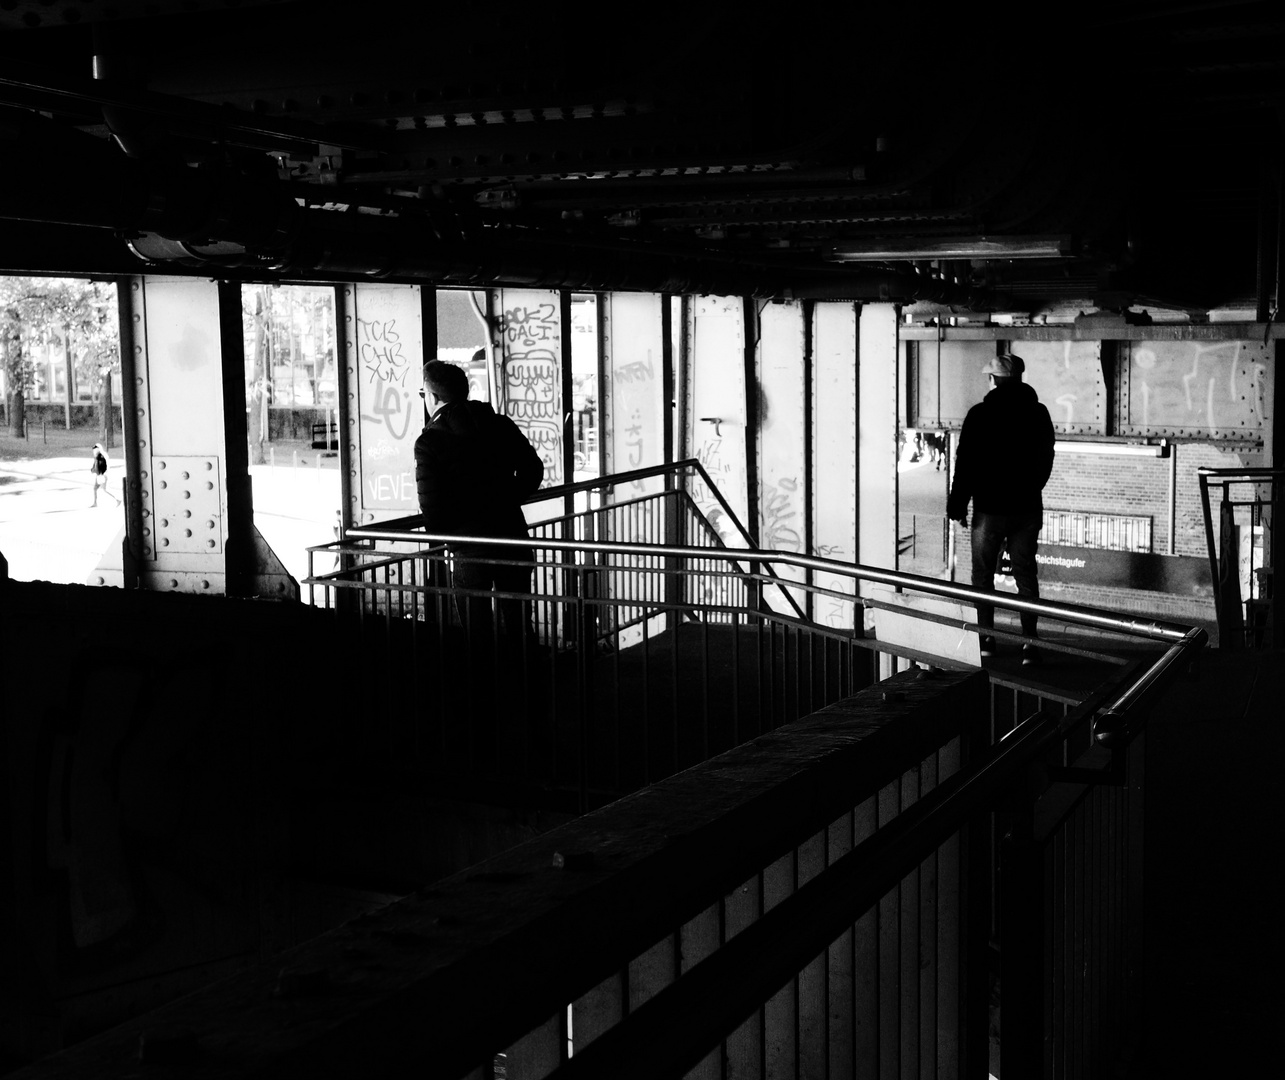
[[98, 466], [1004, 460], [935, 441]]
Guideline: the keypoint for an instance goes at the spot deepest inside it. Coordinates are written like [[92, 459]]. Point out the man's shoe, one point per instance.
[[988, 646], [1031, 656]]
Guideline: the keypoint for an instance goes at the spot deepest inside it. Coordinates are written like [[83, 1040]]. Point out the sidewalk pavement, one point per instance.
[[50, 531]]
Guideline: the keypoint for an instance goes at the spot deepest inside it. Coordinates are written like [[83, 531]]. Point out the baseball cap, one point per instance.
[[1005, 366]]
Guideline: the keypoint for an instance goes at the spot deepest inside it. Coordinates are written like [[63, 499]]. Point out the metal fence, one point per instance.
[[638, 658], [1110, 532], [1243, 555]]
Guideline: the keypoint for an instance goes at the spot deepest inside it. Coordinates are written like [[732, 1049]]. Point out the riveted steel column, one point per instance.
[[239, 560], [346, 392], [136, 543], [189, 512]]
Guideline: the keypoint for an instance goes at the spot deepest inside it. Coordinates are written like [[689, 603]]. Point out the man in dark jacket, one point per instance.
[[473, 468], [1004, 460]]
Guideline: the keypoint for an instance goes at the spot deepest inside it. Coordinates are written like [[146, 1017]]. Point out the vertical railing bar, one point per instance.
[[1094, 853], [1076, 1040], [581, 709], [737, 737], [1102, 1014], [758, 675], [1117, 969], [439, 683], [673, 690], [704, 689], [416, 717], [616, 717], [527, 719], [1057, 935], [646, 700], [553, 608], [769, 694], [1109, 973]]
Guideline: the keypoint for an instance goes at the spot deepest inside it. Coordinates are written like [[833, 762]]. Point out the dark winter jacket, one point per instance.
[[1005, 454], [473, 468]]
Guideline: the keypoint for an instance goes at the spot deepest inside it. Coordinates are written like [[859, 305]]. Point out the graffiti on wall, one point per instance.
[[637, 439], [782, 519], [721, 464], [1216, 389], [388, 355], [532, 348]]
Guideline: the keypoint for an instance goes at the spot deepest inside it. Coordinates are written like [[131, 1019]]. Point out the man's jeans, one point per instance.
[[990, 531], [476, 572]]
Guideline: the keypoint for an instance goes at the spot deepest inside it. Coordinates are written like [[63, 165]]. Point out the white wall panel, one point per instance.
[[184, 359], [783, 403], [633, 399], [530, 356], [877, 437], [384, 359], [834, 450], [718, 414]]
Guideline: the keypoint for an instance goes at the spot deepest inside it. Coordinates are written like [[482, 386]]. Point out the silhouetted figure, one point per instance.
[[935, 442], [1004, 460], [98, 464], [473, 468]]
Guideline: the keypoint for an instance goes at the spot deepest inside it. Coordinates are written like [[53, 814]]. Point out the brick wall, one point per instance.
[[1106, 484], [1103, 484]]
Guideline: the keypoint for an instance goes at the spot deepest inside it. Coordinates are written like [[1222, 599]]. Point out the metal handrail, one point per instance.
[[1113, 725], [798, 926], [613, 480], [1071, 613], [415, 521]]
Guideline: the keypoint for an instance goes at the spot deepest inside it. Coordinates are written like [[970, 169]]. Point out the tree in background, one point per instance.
[[83, 314], [289, 336], [256, 308]]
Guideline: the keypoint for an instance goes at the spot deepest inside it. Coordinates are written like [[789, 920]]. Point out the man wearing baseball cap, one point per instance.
[[1004, 460]]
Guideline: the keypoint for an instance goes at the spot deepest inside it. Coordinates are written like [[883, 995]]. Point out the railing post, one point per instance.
[[674, 537], [1022, 975], [584, 678]]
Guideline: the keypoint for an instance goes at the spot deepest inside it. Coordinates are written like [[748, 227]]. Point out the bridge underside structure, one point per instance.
[[796, 258]]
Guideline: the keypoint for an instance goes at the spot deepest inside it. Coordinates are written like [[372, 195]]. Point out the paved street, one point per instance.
[[49, 531]]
